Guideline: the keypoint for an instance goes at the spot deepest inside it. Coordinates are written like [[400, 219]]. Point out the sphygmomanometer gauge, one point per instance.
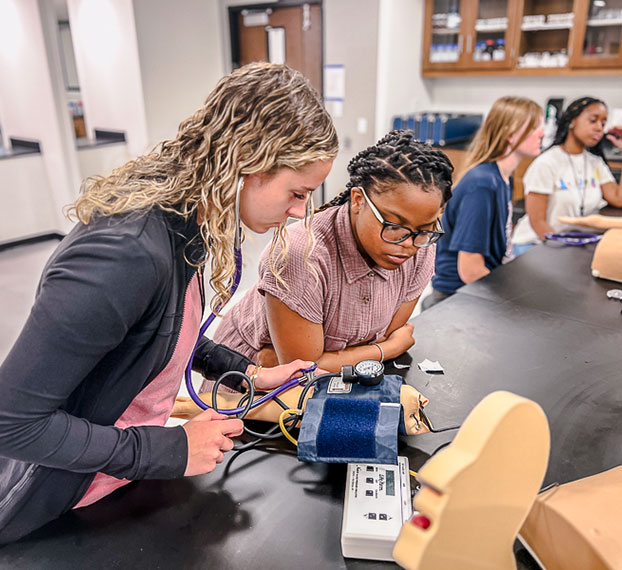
[[369, 372]]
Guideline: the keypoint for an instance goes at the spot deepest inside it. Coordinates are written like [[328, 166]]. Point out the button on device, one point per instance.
[[421, 521]]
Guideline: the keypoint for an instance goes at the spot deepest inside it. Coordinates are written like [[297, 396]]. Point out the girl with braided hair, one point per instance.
[[89, 384], [373, 255], [478, 220], [571, 178]]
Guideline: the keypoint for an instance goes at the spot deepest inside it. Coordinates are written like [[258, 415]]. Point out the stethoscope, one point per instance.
[[573, 238], [249, 396]]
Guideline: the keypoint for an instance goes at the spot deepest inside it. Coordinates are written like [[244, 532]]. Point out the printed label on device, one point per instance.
[[338, 386]]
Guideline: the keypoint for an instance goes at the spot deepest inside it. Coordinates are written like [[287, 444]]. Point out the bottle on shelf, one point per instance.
[[498, 53], [478, 50], [453, 18], [489, 47], [550, 126]]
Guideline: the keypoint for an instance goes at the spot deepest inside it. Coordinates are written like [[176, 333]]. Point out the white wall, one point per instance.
[[32, 107], [180, 55], [28, 206], [478, 93], [105, 45], [400, 87], [351, 39], [402, 90], [100, 160]]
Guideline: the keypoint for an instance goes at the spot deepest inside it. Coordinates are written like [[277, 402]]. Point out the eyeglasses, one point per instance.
[[395, 233]]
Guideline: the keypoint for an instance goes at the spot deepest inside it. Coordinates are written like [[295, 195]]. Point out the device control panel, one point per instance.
[[377, 503]]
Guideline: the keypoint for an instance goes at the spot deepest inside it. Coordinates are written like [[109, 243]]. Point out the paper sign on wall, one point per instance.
[[276, 45], [334, 82]]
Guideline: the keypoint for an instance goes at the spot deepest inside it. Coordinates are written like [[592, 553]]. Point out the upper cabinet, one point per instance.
[[599, 35], [467, 34], [522, 37]]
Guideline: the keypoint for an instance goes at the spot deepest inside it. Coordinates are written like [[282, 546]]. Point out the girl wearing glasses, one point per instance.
[[478, 220], [349, 298]]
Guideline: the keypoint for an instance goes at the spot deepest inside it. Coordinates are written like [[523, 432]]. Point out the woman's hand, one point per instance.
[[268, 378], [208, 438], [614, 136]]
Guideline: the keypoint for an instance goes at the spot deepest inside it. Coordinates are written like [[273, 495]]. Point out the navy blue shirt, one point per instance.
[[475, 220]]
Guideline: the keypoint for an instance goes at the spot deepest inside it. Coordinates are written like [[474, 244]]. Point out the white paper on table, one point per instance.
[[431, 367]]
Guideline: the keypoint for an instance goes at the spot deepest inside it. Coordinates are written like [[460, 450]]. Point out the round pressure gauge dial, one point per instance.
[[369, 372]]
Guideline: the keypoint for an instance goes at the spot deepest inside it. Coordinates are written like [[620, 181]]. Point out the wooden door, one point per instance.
[[301, 27]]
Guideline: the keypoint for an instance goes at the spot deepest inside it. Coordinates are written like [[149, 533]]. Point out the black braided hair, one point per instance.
[[572, 112], [397, 158]]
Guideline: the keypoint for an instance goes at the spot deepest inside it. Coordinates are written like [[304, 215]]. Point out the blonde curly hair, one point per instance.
[[258, 119]]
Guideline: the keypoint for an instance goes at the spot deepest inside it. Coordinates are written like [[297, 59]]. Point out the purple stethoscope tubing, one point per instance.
[[236, 282], [237, 248], [573, 238]]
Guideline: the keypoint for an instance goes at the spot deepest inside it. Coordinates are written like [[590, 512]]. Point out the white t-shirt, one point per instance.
[[569, 180]]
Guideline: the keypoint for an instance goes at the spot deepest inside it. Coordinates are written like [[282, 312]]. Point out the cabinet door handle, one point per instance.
[[469, 42], [460, 42]]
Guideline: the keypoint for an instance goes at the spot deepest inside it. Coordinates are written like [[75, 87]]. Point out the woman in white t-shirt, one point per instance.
[[570, 178]]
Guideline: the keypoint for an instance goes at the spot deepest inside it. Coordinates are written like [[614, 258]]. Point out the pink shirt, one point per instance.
[[154, 404], [353, 302]]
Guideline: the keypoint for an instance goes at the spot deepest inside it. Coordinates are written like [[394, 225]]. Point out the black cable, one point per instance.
[[428, 423], [443, 445], [275, 431], [548, 487], [250, 393], [246, 446], [312, 383]]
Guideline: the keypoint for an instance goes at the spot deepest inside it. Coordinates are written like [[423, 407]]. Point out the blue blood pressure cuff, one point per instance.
[[345, 423]]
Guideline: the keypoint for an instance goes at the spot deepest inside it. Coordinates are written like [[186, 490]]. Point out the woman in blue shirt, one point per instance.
[[478, 218]]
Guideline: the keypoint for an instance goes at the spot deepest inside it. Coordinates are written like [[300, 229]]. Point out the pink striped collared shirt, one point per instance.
[[352, 301]]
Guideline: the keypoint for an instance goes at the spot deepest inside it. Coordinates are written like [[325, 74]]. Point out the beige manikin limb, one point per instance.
[[607, 260], [593, 221], [477, 492], [410, 399]]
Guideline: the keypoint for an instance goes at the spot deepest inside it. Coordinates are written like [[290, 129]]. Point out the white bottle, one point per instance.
[[550, 126]]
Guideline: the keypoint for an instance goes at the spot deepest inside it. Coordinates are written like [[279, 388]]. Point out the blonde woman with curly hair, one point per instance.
[[90, 382]]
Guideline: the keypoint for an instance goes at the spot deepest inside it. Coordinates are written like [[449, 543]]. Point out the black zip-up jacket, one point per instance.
[[104, 324]]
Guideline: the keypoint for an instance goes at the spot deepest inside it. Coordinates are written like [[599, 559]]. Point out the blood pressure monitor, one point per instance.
[[366, 372]]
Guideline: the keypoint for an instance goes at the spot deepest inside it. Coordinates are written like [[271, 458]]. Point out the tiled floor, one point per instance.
[[20, 268]]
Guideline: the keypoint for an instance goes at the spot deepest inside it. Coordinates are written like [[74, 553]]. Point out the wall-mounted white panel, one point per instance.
[[26, 197]]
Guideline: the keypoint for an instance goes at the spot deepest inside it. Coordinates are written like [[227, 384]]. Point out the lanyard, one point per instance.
[[580, 184]]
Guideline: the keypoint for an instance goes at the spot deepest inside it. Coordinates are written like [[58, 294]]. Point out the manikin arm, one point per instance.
[[593, 221]]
